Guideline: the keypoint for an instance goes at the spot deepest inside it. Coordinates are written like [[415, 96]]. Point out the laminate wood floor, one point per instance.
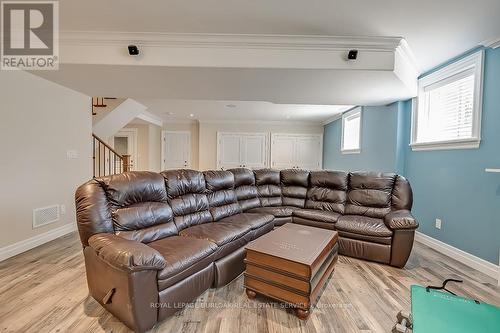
[[44, 290]]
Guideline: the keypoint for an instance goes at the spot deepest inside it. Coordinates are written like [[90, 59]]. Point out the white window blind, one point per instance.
[[351, 131], [448, 112]]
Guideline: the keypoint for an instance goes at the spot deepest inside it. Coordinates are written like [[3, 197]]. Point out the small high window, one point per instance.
[[447, 111], [351, 131]]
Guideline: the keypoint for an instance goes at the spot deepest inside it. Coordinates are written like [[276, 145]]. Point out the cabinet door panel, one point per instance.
[[229, 151], [282, 151], [308, 152], [254, 151]]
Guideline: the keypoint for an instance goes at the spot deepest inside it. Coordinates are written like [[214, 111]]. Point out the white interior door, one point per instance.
[[254, 150], [229, 152], [176, 150], [309, 152], [282, 151], [125, 143]]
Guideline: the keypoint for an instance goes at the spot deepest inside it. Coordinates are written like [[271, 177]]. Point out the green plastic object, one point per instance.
[[439, 312]]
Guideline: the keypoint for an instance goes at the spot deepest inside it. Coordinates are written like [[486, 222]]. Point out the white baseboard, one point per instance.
[[30, 243], [466, 258]]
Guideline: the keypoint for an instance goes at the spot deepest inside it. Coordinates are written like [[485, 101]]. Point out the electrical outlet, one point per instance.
[[438, 224], [62, 209]]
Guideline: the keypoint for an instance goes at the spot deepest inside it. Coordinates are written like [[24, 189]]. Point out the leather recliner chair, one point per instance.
[[154, 242]]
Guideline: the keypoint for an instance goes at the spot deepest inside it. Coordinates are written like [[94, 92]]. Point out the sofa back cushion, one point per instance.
[[294, 184], [92, 212], [402, 195], [244, 186], [138, 205], [221, 195], [186, 195], [370, 194], [268, 187], [327, 191]]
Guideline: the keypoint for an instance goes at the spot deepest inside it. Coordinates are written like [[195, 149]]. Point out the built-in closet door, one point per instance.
[[309, 152], [228, 151], [282, 151], [255, 150], [242, 150], [296, 151]]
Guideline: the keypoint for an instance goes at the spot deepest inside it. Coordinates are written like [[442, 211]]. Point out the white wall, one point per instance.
[[154, 140], [208, 135], [39, 122]]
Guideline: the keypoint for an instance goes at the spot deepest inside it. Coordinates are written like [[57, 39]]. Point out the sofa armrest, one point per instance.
[[400, 219], [126, 254]]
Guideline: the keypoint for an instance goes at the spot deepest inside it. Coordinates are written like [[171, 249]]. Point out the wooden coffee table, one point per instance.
[[291, 264]]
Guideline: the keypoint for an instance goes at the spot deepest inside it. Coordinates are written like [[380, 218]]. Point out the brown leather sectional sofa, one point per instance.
[[153, 242]]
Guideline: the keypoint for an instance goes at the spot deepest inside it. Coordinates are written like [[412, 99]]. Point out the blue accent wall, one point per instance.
[[378, 141], [452, 184], [447, 184]]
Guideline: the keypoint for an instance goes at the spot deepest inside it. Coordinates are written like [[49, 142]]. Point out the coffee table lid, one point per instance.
[[295, 242]]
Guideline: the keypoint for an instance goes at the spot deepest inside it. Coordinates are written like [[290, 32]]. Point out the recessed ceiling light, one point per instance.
[[191, 115], [230, 106]]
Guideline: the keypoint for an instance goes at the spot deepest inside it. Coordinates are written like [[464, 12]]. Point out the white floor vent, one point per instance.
[[45, 215]]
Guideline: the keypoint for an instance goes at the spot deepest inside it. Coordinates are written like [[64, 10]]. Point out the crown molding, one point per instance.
[[261, 122], [404, 50], [338, 116], [493, 43], [293, 42], [179, 121], [332, 119]]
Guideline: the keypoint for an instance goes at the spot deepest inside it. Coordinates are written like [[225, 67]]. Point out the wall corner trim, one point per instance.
[[466, 258], [30, 243]]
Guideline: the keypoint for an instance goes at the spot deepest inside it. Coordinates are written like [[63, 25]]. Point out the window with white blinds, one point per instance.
[[351, 131], [448, 111]]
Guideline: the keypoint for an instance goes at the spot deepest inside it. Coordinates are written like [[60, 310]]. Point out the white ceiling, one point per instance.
[[176, 110], [281, 86], [435, 30]]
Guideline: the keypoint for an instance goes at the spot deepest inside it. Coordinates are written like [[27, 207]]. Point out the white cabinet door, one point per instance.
[[296, 151], [254, 150], [176, 150], [308, 150], [229, 151], [282, 151]]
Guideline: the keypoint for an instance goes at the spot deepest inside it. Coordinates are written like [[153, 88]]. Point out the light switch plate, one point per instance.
[[438, 223], [72, 154]]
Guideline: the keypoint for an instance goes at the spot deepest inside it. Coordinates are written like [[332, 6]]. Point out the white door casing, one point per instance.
[[131, 135], [176, 150]]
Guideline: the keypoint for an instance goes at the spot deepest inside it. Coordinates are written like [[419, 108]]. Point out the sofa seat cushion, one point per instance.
[[357, 224], [317, 215], [251, 220], [276, 211], [184, 256], [220, 233]]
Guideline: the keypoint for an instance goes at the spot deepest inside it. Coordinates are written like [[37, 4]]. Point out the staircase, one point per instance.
[[110, 115], [106, 161]]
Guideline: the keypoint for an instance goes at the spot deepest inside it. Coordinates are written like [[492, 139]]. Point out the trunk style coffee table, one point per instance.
[[291, 264]]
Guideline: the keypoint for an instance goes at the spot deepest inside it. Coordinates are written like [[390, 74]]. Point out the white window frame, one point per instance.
[[351, 113], [474, 61]]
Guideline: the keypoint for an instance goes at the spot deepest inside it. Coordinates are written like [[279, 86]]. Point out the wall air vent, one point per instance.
[[45, 215]]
